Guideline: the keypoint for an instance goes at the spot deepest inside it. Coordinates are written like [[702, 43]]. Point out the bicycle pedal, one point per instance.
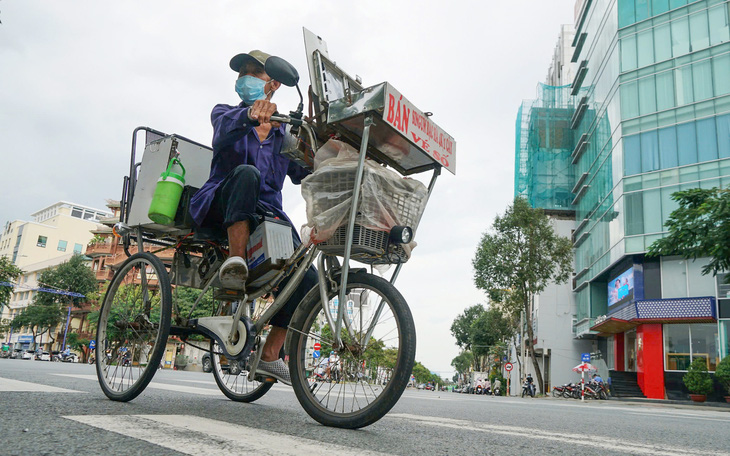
[[224, 294]]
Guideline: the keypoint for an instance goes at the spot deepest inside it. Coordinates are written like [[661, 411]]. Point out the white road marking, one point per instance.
[[8, 385], [604, 443], [202, 436], [161, 386]]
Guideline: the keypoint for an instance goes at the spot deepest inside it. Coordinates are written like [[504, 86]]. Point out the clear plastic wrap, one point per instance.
[[386, 198]]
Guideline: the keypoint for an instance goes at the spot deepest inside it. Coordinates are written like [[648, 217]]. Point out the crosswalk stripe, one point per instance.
[[202, 436], [603, 443], [8, 385]]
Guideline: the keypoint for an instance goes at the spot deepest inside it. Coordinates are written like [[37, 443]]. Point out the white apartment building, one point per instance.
[[55, 231]]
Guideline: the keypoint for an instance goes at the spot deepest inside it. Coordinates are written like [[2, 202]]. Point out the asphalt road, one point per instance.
[[59, 409]]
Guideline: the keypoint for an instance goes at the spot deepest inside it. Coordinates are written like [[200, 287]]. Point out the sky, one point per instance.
[[77, 77]]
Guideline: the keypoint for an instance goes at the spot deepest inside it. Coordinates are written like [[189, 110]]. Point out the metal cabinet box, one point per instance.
[[195, 158]]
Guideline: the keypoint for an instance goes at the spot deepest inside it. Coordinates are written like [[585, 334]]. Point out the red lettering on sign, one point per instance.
[[391, 107]]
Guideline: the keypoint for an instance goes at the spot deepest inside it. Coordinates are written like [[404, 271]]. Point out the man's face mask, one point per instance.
[[250, 88]]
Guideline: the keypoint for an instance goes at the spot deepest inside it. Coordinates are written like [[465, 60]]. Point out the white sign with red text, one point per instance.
[[419, 129]]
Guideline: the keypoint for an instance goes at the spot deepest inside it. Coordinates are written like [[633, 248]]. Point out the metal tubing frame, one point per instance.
[[368, 121], [379, 310], [287, 291]]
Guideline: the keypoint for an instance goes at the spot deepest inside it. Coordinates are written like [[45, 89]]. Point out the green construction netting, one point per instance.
[[543, 144]]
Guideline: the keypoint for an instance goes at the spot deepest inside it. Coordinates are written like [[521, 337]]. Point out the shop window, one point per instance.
[[677, 347], [724, 338], [62, 245], [42, 240]]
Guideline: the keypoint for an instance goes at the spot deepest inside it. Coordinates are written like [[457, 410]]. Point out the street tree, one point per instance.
[[78, 343], [519, 256], [39, 318], [699, 227], [9, 273], [463, 362], [477, 329], [461, 327]]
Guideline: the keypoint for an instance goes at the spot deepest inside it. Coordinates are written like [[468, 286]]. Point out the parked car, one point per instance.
[[27, 354], [44, 356], [16, 354]]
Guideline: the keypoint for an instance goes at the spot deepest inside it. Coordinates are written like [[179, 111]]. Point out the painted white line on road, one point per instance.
[[682, 416], [202, 436], [8, 385], [161, 386], [604, 443]]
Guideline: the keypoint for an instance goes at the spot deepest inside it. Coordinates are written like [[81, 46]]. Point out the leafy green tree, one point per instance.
[[8, 273], [699, 227], [462, 362], [488, 330], [520, 256], [78, 343], [461, 327], [39, 318], [72, 275]]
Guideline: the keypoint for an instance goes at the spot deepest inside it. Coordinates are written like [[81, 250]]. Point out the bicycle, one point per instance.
[[138, 312]]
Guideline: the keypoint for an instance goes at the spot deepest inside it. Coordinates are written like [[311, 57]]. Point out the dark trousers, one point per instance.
[[236, 200]]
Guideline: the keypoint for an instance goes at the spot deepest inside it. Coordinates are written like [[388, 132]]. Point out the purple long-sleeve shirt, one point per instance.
[[235, 142]]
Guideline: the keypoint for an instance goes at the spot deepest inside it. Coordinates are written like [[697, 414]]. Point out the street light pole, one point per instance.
[[65, 332]]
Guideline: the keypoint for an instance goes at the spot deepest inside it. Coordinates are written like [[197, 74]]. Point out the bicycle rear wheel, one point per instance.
[[134, 321], [373, 376], [232, 378]]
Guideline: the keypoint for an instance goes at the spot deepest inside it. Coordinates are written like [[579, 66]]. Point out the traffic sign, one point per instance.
[[508, 367], [315, 354], [585, 357], [92, 345], [317, 346]]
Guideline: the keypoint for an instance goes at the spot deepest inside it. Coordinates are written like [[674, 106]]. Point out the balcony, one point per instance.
[[101, 248]]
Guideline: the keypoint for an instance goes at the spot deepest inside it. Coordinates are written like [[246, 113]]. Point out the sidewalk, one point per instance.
[[719, 405]]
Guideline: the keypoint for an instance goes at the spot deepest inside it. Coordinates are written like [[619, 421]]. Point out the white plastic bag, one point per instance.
[[386, 198]]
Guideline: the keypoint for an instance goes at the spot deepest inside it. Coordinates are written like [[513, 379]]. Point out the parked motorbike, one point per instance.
[[528, 389]]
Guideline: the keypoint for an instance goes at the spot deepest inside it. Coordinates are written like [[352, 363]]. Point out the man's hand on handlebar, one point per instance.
[[261, 111]]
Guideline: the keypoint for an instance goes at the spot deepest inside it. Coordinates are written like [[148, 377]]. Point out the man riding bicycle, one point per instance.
[[247, 175]]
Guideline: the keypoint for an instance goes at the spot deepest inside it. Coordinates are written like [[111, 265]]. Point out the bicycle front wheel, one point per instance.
[[134, 321], [374, 361]]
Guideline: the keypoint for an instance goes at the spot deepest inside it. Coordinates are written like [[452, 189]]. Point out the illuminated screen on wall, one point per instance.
[[621, 289]]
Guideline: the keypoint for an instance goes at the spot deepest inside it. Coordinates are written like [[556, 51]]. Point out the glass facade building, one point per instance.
[[650, 115]]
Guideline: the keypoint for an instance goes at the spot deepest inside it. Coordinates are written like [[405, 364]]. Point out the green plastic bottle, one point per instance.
[[167, 194]]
